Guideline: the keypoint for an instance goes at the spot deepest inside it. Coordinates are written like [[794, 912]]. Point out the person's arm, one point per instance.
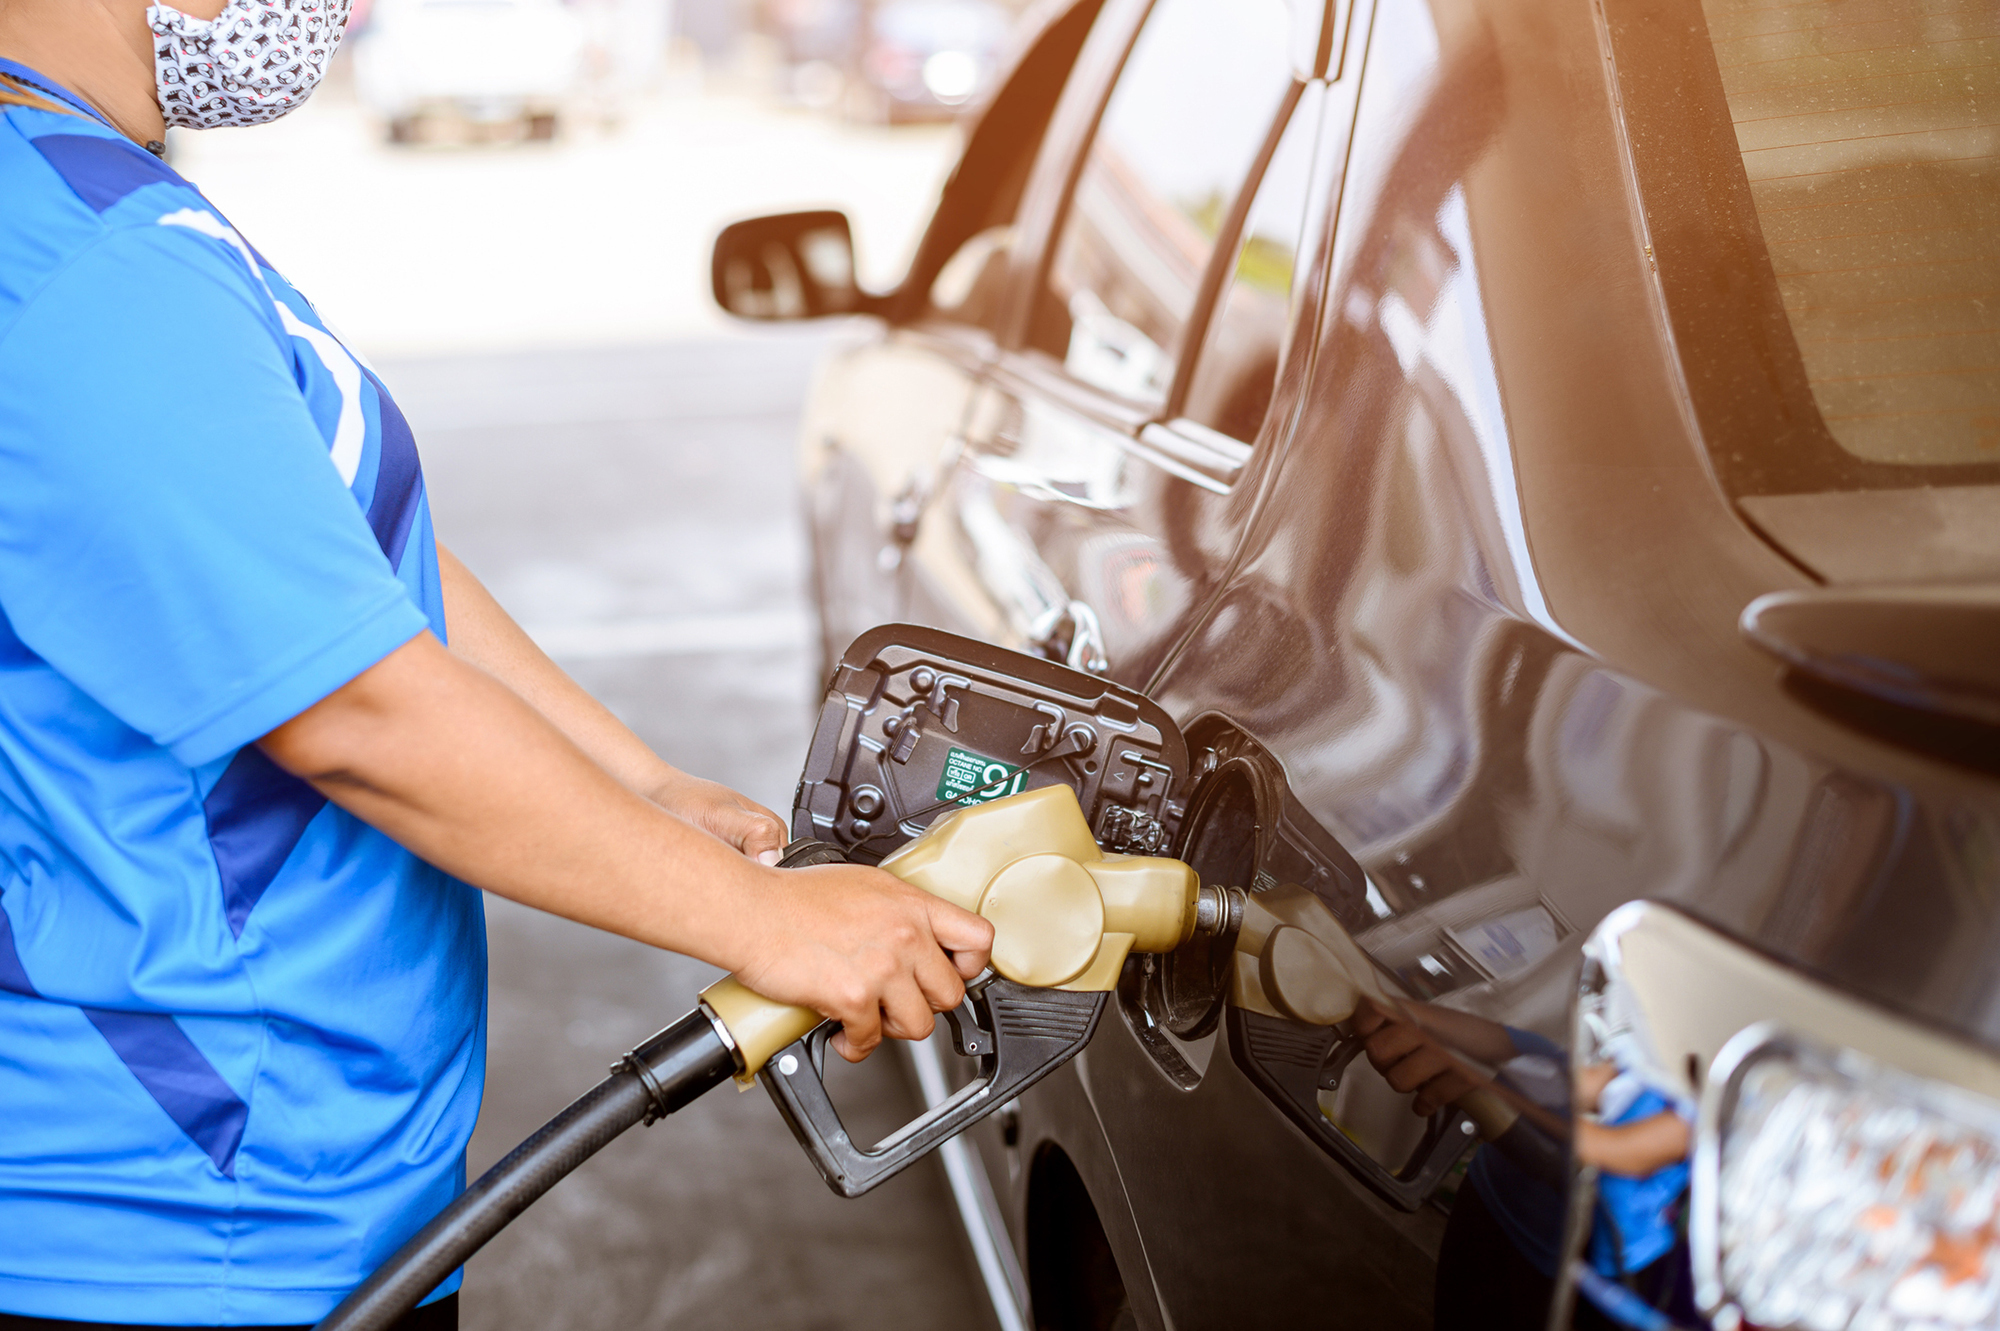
[[483, 633], [459, 768], [1635, 1149]]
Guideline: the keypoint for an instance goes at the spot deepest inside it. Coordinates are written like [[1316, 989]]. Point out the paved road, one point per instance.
[[636, 509]]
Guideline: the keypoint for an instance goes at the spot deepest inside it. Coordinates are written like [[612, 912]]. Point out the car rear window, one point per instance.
[[1870, 137]]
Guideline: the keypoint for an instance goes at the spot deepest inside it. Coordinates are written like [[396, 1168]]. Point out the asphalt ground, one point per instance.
[[636, 509]]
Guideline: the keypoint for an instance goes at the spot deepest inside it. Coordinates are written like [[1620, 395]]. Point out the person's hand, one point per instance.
[[1411, 1059], [866, 949], [722, 813]]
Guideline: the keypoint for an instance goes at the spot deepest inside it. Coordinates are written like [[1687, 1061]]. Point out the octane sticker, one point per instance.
[[973, 778]]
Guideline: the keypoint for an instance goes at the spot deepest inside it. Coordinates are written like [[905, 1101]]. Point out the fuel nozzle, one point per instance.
[[1065, 915]]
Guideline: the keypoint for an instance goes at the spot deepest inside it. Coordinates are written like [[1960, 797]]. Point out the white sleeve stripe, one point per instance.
[[351, 434]]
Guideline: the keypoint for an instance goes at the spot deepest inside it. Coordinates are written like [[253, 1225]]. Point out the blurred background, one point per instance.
[[507, 206]]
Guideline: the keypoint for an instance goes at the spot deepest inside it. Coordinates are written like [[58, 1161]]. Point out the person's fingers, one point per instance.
[[870, 952], [906, 1012], [1440, 1091], [942, 985], [1590, 1084], [753, 830], [860, 1032], [1393, 1042], [968, 937], [1410, 1072], [761, 811]]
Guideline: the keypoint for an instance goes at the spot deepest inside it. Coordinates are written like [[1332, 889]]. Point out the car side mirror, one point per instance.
[[790, 266]]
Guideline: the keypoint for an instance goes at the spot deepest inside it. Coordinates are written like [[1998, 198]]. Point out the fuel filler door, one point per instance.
[[917, 721]]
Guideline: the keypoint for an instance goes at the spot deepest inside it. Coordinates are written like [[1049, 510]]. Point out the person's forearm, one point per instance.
[[485, 635], [482, 632], [462, 770], [485, 787], [1634, 1150]]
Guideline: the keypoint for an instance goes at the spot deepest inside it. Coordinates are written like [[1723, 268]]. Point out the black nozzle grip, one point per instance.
[[1019, 1036]]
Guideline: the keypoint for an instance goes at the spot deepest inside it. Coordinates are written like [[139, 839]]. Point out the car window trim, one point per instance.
[[1222, 260], [1157, 433], [1072, 129], [1214, 278]]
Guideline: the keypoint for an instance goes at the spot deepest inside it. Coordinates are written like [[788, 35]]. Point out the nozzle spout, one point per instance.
[[1218, 911]]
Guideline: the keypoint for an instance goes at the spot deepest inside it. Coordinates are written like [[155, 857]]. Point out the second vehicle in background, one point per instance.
[[479, 65]]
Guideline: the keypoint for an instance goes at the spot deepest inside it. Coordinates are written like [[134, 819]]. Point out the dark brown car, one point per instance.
[[1545, 456]]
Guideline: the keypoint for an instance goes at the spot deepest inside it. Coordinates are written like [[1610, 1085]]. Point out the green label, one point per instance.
[[973, 778]]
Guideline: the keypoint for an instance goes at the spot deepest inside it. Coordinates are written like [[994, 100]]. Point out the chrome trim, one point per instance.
[[1839, 1063], [1194, 452], [1718, 1101], [978, 1210], [722, 1034]]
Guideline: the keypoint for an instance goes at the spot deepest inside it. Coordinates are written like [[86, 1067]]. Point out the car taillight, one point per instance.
[[1833, 1191]]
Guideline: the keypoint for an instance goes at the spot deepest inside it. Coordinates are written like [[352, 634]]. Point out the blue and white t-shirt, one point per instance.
[[241, 1032]]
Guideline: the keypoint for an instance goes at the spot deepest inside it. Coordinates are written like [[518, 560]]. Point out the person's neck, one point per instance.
[[100, 50]]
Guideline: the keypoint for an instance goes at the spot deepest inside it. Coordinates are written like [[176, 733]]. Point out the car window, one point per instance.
[[961, 264], [1187, 118], [1867, 136], [1230, 389]]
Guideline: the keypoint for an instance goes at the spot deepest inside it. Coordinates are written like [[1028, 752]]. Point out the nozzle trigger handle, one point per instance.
[[1019, 1035]]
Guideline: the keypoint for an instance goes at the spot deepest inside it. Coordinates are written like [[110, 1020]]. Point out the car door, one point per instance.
[[889, 407], [1171, 233], [1369, 706]]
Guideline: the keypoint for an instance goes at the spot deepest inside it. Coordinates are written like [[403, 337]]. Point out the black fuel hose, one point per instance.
[[680, 1064]]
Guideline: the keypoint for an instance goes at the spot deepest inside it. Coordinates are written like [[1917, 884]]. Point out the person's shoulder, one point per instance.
[[85, 169], [81, 196], [70, 182]]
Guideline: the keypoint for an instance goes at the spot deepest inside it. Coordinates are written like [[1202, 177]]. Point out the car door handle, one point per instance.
[[906, 510], [1072, 635]]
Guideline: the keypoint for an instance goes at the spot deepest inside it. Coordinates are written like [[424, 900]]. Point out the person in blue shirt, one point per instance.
[[263, 740], [1502, 1247]]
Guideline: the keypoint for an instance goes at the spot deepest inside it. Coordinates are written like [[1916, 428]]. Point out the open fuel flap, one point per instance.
[[918, 721]]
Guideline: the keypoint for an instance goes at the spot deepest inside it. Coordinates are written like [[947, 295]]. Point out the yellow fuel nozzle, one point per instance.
[[1065, 915]]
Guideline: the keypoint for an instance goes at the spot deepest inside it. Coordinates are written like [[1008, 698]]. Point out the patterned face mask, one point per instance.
[[251, 63]]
